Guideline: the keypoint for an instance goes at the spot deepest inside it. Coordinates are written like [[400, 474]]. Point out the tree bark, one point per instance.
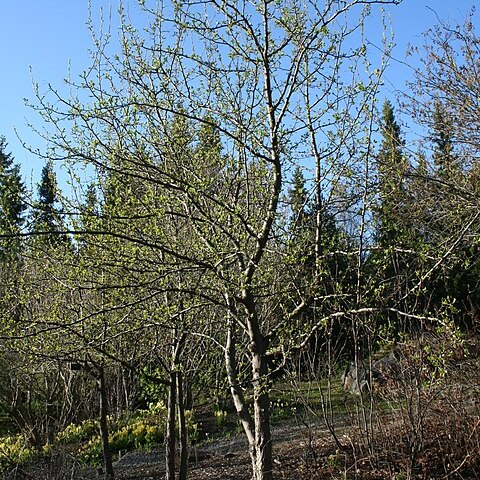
[[107, 454], [232, 375], [182, 427], [257, 429], [261, 453], [170, 449]]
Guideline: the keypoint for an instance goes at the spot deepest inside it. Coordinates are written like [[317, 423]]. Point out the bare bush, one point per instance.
[[427, 423]]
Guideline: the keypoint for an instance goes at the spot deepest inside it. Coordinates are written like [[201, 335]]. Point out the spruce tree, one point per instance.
[[12, 203], [393, 230], [12, 208], [301, 228], [391, 168], [441, 137], [460, 280], [46, 216], [298, 199]]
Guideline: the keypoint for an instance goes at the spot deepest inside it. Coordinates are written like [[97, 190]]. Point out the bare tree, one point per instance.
[[265, 78]]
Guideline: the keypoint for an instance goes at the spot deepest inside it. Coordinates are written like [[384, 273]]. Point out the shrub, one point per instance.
[[75, 433], [220, 417], [14, 451], [432, 428], [138, 434], [91, 453]]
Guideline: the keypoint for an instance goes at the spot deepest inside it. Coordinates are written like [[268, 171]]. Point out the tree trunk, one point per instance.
[[107, 454], [261, 451], [188, 394], [182, 427], [257, 429], [170, 437], [235, 389]]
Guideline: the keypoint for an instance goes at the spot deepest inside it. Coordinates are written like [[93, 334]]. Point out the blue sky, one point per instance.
[[48, 36]]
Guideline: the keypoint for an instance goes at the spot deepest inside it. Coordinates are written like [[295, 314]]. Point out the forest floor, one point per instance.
[[300, 452], [295, 447], [418, 430]]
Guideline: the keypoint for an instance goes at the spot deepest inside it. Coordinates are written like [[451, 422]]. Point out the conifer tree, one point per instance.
[[12, 204], [441, 137], [391, 167], [300, 232], [46, 216], [12, 208], [298, 199], [460, 280], [393, 234]]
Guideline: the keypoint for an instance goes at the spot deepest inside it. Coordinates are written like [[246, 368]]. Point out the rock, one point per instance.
[[359, 378]]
